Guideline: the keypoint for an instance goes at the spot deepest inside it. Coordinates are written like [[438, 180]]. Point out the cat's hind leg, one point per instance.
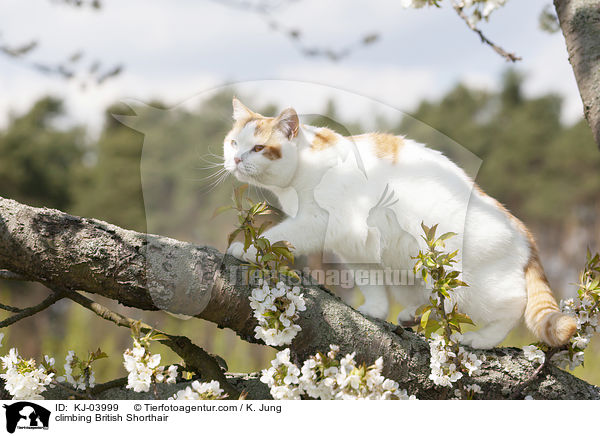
[[490, 334], [408, 317], [374, 290], [376, 301], [411, 297]]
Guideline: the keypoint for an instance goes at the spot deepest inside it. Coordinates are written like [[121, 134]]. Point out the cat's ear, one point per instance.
[[288, 123], [240, 112]]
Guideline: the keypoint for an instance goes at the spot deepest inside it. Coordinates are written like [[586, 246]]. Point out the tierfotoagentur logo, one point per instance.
[[26, 415]]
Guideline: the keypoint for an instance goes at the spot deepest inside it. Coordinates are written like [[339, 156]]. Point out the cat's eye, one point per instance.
[[233, 143], [258, 148]]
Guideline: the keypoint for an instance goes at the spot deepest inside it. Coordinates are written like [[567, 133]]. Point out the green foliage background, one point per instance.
[[546, 172]]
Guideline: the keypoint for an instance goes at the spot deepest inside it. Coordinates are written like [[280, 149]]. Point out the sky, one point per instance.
[[177, 49]]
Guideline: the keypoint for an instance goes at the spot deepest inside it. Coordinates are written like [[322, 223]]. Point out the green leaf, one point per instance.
[[425, 318], [238, 195], [247, 239], [463, 318], [447, 236], [232, 236], [98, 354], [452, 274], [431, 232], [269, 257], [432, 327], [160, 337], [263, 227], [262, 243], [220, 210], [285, 252], [417, 266]]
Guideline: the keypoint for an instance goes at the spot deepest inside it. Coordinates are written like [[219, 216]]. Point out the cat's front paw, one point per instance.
[[408, 317], [376, 311], [236, 250], [477, 340]]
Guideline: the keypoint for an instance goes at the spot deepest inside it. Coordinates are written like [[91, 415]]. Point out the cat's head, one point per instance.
[[262, 150]]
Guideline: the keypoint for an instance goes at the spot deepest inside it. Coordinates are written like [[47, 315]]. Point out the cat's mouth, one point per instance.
[[241, 174]]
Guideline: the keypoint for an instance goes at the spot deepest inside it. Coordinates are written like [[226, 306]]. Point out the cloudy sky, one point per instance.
[[174, 50]]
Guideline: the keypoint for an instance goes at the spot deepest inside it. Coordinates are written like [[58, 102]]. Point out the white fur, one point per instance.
[[337, 208]]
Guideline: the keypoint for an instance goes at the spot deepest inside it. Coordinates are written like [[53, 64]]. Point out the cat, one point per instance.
[[364, 198]]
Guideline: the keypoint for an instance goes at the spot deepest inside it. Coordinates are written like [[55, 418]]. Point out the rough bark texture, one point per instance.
[[64, 251], [580, 24]]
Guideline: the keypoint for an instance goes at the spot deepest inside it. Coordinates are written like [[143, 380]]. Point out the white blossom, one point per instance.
[[327, 378], [200, 391], [586, 314], [474, 388], [143, 368], [82, 381], [534, 354], [443, 363], [276, 308], [23, 380]]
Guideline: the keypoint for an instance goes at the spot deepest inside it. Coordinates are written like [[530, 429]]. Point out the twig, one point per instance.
[[108, 385], [71, 390], [511, 57], [521, 387], [9, 275], [265, 9], [10, 308], [195, 358], [29, 311]]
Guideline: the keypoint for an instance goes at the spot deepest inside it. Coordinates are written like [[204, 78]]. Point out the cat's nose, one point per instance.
[[237, 160]]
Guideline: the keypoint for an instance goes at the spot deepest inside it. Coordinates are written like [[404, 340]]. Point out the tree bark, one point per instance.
[[580, 24], [153, 272]]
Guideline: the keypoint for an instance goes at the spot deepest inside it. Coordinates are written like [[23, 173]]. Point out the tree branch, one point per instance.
[[29, 311], [580, 24], [522, 387], [196, 358], [153, 272]]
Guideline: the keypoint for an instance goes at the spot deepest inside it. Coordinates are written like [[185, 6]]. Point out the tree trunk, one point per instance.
[[580, 24], [153, 272]]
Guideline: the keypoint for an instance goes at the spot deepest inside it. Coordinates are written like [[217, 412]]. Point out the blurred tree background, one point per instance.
[[544, 171]]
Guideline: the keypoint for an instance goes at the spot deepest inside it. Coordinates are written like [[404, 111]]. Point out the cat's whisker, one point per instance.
[[212, 176], [208, 167], [215, 183]]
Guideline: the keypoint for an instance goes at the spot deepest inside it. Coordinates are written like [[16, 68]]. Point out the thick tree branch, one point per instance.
[[151, 272], [580, 24]]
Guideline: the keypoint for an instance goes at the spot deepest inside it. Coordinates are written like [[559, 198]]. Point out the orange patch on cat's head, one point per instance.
[[266, 134], [269, 132]]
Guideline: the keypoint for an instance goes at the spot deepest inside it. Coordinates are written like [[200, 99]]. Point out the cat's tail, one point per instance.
[[542, 314]]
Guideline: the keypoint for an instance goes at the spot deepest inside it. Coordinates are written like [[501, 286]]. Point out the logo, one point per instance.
[[26, 415]]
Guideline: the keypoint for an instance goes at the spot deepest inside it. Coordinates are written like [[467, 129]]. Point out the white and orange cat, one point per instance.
[[364, 198]]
